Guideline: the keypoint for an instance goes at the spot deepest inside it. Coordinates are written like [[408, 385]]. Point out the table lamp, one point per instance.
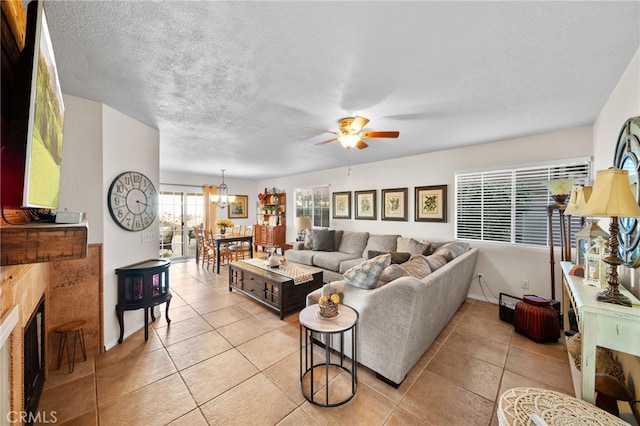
[[302, 224], [612, 197], [590, 231], [560, 188]]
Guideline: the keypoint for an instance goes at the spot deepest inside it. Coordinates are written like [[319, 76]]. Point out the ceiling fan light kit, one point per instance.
[[351, 134], [222, 198]]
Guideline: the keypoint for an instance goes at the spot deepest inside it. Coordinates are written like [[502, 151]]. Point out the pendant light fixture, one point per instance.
[[222, 198]]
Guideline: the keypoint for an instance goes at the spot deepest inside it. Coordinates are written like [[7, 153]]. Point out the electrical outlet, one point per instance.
[[480, 276], [148, 237], [525, 284]]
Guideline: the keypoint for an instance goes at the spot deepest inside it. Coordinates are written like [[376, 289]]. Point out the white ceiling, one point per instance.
[[238, 85]]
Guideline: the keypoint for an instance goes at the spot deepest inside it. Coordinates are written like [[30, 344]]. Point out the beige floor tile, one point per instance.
[[491, 329], [131, 346], [159, 403], [279, 344], [214, 303], [402, 417], [548, 370], [367, 407], [556, 350], [512, 380], [244, 330], [90, 418], [477, 376], [217, 375], [133, 373], [192, 418], [225, 316], [196, 349], [440, 402], [298, 418], [69, 400], [286, 375], [61, 376], [480, 347], [256, 401], [183, 330], [176, 313]]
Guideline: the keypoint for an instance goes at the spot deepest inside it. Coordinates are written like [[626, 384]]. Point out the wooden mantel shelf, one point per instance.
[[42, 242]]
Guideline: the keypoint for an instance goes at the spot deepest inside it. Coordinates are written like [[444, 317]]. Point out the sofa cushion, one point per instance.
[[367, 274], [413, 246], [393, 272], [436, 261], [338, 238], [395, 256], [350, 263], [330, 260], [324, 239], [383, 243], [353, 242], [300, 256]]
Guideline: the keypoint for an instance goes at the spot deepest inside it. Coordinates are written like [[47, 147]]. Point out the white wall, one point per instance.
[[503, 265], [127, 144], [81, 179]]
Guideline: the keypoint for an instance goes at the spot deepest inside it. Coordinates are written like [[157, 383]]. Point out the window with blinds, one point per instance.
[[510, 206]]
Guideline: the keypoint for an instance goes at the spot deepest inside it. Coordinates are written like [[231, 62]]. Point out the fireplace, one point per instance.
[[34, 348]]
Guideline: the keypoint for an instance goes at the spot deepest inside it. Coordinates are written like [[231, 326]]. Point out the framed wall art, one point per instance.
[[431, 203], [394, 204], [238, 208], [342, 205], [365, 202]]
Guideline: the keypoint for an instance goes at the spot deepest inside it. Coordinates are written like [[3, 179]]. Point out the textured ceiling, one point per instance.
[[238, 85]]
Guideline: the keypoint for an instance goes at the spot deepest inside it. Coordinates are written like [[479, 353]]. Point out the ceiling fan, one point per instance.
[[351, 133]]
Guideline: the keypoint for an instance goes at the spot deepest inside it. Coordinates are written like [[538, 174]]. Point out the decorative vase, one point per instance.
[[222, 230]]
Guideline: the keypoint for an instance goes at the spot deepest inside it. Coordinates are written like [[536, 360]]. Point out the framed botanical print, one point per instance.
[[365, 203], [431, 203], [238, 208], [394, 204], [342, 205]]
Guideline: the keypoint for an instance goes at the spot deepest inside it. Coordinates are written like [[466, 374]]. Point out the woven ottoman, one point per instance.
[[535, 318]]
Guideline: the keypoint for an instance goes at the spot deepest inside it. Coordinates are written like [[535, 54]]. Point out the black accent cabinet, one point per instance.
[[143, 285]]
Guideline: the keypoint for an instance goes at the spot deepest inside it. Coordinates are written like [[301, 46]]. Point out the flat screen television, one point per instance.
[[32, 156]]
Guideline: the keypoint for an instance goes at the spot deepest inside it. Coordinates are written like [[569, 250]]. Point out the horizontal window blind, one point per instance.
[[510, 206]]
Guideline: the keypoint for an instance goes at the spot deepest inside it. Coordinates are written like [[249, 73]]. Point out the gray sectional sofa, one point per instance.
[[403, 313]]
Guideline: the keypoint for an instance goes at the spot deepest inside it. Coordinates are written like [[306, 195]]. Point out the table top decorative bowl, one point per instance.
[[328, 306]]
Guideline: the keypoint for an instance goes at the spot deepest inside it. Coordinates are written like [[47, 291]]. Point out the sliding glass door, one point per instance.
[[180, 213]]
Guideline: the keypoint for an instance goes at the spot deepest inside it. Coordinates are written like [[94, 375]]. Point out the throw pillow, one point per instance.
[[323, 239], [454, 248], [393, 272], [413, 246], [367, 274], [436, 261], [417, 266], [396, 258], [308, 240]]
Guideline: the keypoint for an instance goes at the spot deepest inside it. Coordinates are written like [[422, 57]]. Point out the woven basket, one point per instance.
[[329, 310]]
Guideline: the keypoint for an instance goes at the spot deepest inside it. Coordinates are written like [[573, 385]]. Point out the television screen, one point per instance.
[[45, 121]]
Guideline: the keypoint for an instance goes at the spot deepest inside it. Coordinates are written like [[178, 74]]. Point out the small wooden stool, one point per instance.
[[77, 327]]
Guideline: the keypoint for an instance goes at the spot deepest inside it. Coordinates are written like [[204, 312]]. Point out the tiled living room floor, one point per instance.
[[225, 359]]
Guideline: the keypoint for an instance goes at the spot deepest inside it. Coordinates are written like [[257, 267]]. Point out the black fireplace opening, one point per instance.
[[34, 361]]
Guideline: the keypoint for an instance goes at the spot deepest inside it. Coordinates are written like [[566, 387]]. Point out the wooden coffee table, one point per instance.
[[273, 289]]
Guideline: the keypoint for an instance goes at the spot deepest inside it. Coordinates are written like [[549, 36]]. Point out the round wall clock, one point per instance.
[[133, 201], [627, 157]]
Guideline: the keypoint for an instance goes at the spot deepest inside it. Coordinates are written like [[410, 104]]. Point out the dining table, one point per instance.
[[221, 239]]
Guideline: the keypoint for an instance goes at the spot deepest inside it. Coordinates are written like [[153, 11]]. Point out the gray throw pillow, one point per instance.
[[436, 261], [455, 249], [413, 246], [323, 239], [367, 274], [417, 266], [308, 240]]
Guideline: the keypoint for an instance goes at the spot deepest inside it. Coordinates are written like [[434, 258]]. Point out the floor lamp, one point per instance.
[[560, 190], [612, 197]]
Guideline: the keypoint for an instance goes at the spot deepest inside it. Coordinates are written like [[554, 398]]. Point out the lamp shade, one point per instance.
[[579, 197], [560, 188], [303, 222], [612, 196]]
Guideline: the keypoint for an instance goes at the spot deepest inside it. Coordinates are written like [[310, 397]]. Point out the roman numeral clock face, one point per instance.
[[133, 201]]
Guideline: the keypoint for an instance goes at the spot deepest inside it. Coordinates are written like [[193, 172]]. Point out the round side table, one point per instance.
[[322, 332]]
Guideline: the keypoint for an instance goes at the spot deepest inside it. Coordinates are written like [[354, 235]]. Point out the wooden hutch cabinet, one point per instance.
[[271, 220]]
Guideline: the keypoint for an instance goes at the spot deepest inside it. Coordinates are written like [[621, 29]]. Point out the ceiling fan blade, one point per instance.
[[361, 144], [380, 134], [358, 123], [327, 141], [315, 129]]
